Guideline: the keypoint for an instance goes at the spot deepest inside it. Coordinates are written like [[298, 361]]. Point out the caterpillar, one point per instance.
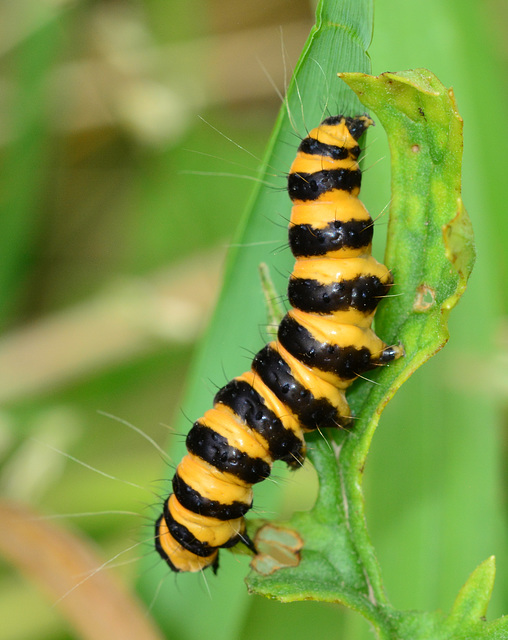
[[296, 383]]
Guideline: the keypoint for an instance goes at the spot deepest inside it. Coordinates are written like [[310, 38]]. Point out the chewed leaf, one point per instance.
[[277, 547], [430, 240], [430, 246], [459, 246], [430, 252]]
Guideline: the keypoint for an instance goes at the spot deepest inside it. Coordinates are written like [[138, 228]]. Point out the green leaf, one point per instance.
[[474, 597], [425, 135], [338, 41], [466, 620], [430, 240], [431, 253]]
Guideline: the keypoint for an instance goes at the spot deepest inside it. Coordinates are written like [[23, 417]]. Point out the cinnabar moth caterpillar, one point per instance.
[[297, 383]]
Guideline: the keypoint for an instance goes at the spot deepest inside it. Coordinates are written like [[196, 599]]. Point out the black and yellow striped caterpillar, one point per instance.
[[297, 383]]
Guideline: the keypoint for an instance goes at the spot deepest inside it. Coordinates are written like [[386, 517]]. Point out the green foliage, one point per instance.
[[338, 563], [431, 253], [314, 92], [86, 208]]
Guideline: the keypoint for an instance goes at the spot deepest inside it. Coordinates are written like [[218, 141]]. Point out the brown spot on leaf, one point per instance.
[[425, 298]]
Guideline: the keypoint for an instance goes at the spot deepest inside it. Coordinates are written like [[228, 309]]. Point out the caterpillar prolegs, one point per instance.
[[297, 383]]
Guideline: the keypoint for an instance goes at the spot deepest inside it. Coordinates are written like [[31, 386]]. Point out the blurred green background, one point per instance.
[[111, 248]]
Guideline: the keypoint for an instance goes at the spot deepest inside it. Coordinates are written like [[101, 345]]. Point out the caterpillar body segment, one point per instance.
[[296, 383]]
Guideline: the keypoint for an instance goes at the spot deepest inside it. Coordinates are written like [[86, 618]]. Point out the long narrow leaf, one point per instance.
[[338, 42]]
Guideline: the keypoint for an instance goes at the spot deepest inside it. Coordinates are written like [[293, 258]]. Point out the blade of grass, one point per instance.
[[337, 42]]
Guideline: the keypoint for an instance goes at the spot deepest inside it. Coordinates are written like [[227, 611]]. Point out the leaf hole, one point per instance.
[[425, 298], [278, 548]]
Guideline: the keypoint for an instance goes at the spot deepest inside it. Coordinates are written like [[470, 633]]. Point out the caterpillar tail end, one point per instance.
[[178, 558]]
